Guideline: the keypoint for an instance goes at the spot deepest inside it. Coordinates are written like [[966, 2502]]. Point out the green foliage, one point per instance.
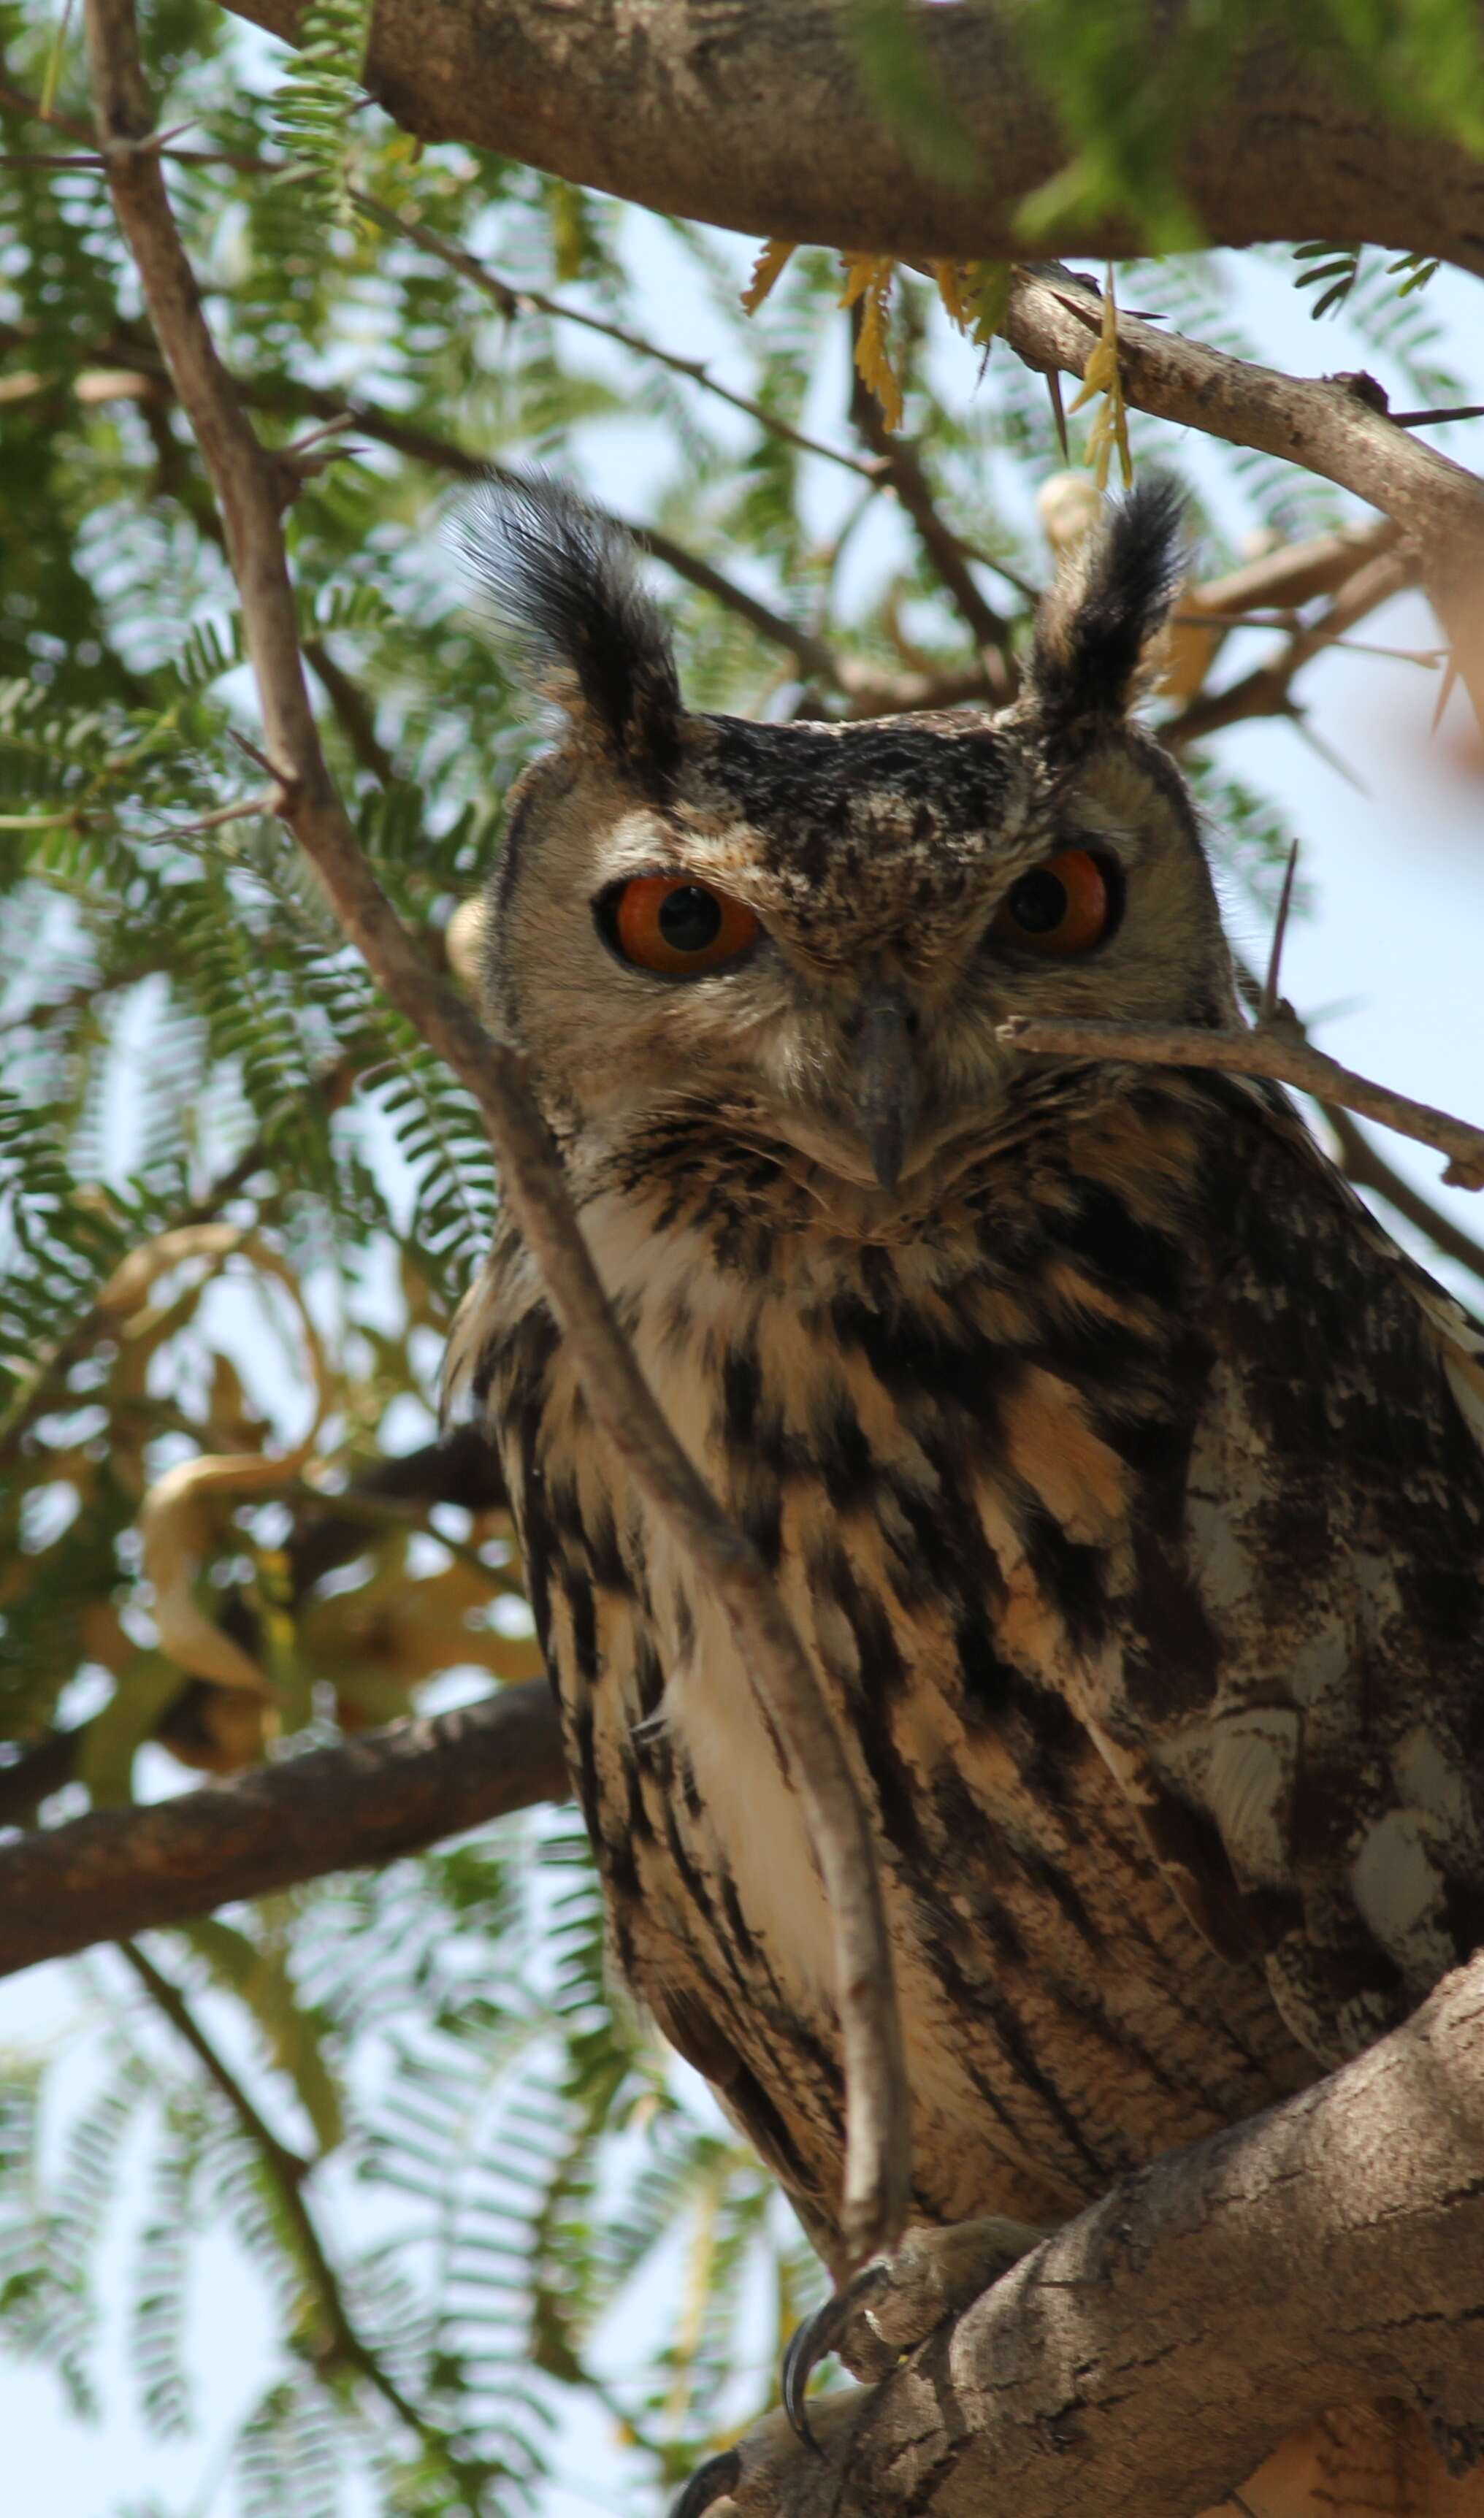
[[237, 1192], [1419, 60]]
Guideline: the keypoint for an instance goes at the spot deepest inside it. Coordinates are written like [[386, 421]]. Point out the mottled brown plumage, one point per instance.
[[1124, 1480]]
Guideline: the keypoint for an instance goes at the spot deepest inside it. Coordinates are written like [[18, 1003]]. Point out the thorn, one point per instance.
[[1431, 418], [1327, 753], [1450, 676], [284, 779], [316, 436], [1267, 1003]]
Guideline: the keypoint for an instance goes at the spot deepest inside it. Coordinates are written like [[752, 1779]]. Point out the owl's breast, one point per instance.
[[952, 1533]]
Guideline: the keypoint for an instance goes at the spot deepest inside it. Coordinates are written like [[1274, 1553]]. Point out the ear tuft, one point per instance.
[[1113, 595], [565, 578]]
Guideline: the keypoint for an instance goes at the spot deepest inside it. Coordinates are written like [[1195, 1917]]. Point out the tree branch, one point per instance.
[[1361, 1163], [1267, 689], [1151, 2354], [759, 118], [343, 2343], [1276, 1050], [366, 1801], [877, 2170], [944, 552], [1318, 422], [513, 302]]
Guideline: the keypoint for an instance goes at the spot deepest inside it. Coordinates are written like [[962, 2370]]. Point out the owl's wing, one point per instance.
[[1314, 1790]]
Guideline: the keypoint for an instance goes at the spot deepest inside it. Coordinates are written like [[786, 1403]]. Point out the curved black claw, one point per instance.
[[812, 2342], [713, 2481]]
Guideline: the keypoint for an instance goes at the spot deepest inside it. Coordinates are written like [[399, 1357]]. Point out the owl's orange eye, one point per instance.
[[1060, 908], [672, 924]]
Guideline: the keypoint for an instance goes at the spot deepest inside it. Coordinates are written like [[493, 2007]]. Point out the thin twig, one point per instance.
[[254, 807], [288, 2172], [943, 550], [513, 301], [867, 690], [1268, 690], [288, 2165], [1361, 1163], [1274, 1049], [18, 100], [877, 2174]]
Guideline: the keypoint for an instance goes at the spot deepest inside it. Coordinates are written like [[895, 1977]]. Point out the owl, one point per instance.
[[1124, 1484]]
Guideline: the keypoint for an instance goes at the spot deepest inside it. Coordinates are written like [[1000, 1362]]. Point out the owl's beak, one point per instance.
[[888, 1093]]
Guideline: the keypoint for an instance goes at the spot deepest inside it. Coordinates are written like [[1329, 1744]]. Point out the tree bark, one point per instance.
[[123, 1871], [753, 114], [1154, 2352]]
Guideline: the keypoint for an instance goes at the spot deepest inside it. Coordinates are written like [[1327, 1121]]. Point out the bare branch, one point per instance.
[[1267, 689], [1155, 2351], [878, 2141], [1318, 422], [357, 718], [342, 2343], [513, 302], [1361, 1163], [1295, 574], [944, 552], [1276, 1050], [357, 1805]]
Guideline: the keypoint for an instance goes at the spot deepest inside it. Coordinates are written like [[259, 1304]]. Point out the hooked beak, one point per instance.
[[888, 1094]]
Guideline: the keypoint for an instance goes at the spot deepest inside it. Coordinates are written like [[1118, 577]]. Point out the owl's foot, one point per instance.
[[890, 2306], [897, 2302]]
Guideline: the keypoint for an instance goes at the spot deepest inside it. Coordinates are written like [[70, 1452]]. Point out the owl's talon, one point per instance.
[[809, 2344], [895, 2302], [827, 2330], [713, 2480]]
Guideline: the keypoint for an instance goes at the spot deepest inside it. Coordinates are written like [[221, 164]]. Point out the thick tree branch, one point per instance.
[[363, 1803], [757, 117], [1151, 2354], [877, 2171]]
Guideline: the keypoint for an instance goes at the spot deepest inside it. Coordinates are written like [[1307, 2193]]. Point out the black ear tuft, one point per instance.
[[565, 578], [1112, 595]]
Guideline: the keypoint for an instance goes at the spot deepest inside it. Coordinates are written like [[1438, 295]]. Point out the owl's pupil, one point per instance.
[[1038, 901], [690, 918]]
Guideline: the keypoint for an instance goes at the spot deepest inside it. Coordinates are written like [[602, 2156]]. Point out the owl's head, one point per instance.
[[801, 940]]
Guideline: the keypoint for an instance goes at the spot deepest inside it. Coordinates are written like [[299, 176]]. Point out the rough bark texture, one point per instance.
[[122, 1871], [1151, 2354], [753, 114]]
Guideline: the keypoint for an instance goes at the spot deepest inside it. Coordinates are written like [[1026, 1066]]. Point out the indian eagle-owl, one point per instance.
[[1123, 1481]]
